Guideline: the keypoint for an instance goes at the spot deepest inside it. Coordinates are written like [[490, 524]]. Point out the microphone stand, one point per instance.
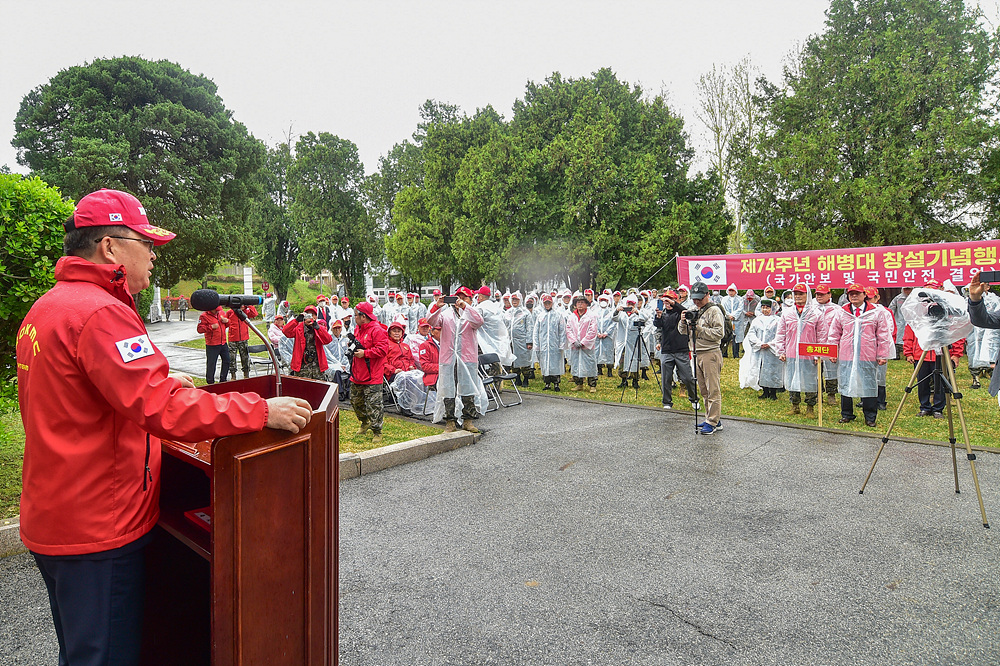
[[238, 309]]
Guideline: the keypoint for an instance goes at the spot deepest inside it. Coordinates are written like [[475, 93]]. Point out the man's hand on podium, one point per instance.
[[287, 413], [185, 379]]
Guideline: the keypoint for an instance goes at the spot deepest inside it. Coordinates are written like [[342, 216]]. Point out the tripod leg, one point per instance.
[[951, 422], [892, 423], [946, 362]]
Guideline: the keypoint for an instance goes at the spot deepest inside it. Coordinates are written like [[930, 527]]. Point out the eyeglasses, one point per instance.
[[148, 243]]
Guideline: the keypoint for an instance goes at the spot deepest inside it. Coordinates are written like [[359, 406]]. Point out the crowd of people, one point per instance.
[[685, 333]]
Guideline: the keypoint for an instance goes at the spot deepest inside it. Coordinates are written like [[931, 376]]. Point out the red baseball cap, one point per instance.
[[310, 308], [933, 284], [397, 324], [106, 207], [871, 292], [823, 289], [437, 292], [546, 297], [484, 291], [422, 322], [464, 291], [800, 288], [366, 309], [855, 287]]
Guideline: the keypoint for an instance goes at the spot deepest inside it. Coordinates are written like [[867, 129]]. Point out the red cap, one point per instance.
[[671, 293], [464, 291], [933, 284], [337, 323], [484, 291], [800, 288], [421, 322], [310, 308], [855, 287], [345, 298], [113, 207], [823, 289], [366, 309], [320, 297], [589, 291], [871, 292], [546, 297], [437, 292], [397, 324], [617, 293]]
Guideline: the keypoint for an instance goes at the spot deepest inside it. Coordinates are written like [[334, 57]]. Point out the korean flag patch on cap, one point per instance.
[[133, 348]]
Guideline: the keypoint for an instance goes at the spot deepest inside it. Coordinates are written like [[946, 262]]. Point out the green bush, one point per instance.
[[31, 217]]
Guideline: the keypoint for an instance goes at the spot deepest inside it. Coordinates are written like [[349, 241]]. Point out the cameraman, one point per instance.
[[367, 370], [674, 354], [310, 335], [709, 327], [983, 318]]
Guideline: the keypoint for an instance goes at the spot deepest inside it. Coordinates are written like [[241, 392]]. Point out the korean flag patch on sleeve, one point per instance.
[[133, 348]]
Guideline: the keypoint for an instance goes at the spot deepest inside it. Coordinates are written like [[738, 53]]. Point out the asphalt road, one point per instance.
[[580, 533]]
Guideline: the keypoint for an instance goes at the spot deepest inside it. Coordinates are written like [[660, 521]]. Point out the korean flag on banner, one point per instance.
[[134, 348], [712, 273]]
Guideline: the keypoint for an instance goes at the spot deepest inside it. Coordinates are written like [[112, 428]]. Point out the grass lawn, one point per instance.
[[979, 408], [11, 453]]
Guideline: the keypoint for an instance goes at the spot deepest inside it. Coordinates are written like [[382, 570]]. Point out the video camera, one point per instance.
[[691, 316], [353, 344]]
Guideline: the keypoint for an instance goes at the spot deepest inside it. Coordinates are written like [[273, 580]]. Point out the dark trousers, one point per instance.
[[796, 398], [770, 393], [679, 361], [97, 605], [869, 406], [926, 384], [213, 352]]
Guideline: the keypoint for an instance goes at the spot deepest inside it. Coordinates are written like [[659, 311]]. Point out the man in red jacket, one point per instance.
[[212, 323], [367, 370], [310, 335], [239, 334], [95, 396]]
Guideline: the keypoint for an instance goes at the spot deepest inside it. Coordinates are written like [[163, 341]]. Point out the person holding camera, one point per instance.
[[674, 354], [310, 335], [367, 370], [631, 353], [458, 363], [705, 327]]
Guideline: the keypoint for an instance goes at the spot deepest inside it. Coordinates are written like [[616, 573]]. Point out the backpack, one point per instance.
[[728, 332]]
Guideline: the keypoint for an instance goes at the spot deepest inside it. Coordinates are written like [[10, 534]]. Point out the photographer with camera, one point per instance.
[[706, 327], [674, 354], [631, 354], [458, 363], [310, 335], [370, 347], [982, 317]]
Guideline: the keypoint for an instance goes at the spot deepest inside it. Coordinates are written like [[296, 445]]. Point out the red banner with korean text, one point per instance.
[[891, 266]]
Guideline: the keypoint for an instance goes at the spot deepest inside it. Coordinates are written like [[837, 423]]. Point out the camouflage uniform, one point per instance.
[[239, 347], [310, 372], [367, 402]]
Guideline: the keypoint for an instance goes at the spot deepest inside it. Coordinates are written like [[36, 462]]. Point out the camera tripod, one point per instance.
[[948, 384], [637, 348]]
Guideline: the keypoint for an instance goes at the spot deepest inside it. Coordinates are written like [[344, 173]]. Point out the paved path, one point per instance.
[[581, 533]]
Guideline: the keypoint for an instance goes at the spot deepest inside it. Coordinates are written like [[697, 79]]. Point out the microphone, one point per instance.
[[209, 299]]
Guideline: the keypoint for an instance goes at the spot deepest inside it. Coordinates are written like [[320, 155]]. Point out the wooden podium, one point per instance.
[[258, 586]]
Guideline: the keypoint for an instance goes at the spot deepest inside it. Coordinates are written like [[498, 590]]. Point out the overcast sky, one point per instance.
[[361, 70]]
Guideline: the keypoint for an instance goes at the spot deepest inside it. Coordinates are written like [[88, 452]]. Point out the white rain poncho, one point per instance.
[[761, 367], [938, 318], [897, 316], [649, 330], [882, 374], [270, 308], [493, 336], [522, 328], [335, 357], [606, 326], [987, 340], [415, 313], [458, 373], [627, 357], [796, 327], [408, 387], [862, 341], [733, 306], [388, 313], [548, 339], [413, 341]]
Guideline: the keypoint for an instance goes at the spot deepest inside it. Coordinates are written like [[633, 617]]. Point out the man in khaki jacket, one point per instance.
[[709, 328]]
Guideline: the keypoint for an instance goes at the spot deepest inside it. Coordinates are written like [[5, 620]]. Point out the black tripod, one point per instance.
[[637, 348], [693, 346], [948, 384]]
